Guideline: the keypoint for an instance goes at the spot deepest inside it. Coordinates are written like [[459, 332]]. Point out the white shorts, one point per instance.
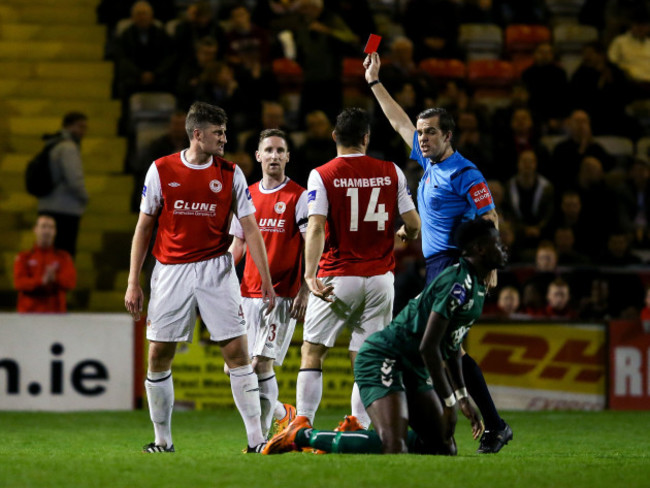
[[269, 335], [179, 290], [363, 303]]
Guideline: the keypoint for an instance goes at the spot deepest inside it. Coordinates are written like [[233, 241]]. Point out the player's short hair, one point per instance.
[[202, 114], [272, 133], [472, 231], [445, 119], [72, 118], [352, 124]]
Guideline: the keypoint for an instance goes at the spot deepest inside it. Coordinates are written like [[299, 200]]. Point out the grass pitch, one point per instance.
[[550, 449]]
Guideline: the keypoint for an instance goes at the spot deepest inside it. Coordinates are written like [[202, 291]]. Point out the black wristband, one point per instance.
[[373, 83]]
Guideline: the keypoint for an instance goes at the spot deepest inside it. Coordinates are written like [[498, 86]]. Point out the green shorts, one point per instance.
[[380, 369]]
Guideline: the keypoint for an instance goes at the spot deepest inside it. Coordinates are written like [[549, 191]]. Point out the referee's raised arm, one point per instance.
[[395, 114]]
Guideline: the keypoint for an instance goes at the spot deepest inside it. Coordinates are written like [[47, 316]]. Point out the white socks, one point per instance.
[[279, 412], [309, 391], [245, 391], [160, 396], [358, 410], [268, 399]]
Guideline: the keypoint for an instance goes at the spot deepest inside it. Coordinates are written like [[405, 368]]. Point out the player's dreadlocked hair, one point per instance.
[[468, 233]]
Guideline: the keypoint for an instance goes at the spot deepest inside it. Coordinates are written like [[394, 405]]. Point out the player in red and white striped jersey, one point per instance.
[[192, 194], [281, 213], [353, 204]]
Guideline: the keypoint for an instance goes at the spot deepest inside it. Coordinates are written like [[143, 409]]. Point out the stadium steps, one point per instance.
[[55, 88], [63, 70], [21, 32], [103, 155], [47, 107], [12, 201], [94, 164], [50, 51], [52, 60], [66, 12], [37, 126], [89, 241], [106, 301], [112, 223], [101, 185]]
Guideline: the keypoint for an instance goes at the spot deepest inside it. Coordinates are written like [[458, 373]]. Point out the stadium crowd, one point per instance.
[[573, 212]]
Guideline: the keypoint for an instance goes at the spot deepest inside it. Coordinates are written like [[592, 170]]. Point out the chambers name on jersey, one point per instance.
[[362, 196]]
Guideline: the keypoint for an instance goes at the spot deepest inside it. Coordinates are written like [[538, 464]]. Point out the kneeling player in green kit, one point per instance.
[[398, 367]]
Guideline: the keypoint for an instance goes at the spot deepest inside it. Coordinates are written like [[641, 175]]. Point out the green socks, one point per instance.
[[356, 442]]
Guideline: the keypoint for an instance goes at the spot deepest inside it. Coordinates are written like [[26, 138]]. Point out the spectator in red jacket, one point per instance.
[[44, 274], [557, 301]]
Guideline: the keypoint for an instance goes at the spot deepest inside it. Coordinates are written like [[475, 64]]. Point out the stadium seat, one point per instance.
[[481, 41], [640, 110], [551, 141], [354, 86], [571, 38], [570, 62], [621, 148], [151, 106], [490, 77], [492, 104], [521, 39], [147, 131], [521, 63], [353, 73], [564, 11], [443, 69], [643, 148], [288, 74]]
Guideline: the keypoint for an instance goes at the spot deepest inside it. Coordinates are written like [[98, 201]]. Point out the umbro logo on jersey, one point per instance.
[[216, 186], [280, 207], [174, 184]]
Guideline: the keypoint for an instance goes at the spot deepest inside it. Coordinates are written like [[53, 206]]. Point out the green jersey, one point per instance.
[[390, 359], [456, 294]]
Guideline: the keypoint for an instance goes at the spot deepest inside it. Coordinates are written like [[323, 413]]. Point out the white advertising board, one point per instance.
[[66, 362]]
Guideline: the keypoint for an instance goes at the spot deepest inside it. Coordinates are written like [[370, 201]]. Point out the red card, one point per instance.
[[372, 44]]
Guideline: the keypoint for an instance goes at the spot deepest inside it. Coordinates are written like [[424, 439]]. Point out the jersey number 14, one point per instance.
[[374, 213]]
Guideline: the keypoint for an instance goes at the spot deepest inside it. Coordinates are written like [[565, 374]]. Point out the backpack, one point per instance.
[[38, 174]]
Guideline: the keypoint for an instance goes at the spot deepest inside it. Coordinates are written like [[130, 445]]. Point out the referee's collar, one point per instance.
[[444, 160]]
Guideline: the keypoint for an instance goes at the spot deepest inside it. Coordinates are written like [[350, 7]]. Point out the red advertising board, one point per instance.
[[629, 371]]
